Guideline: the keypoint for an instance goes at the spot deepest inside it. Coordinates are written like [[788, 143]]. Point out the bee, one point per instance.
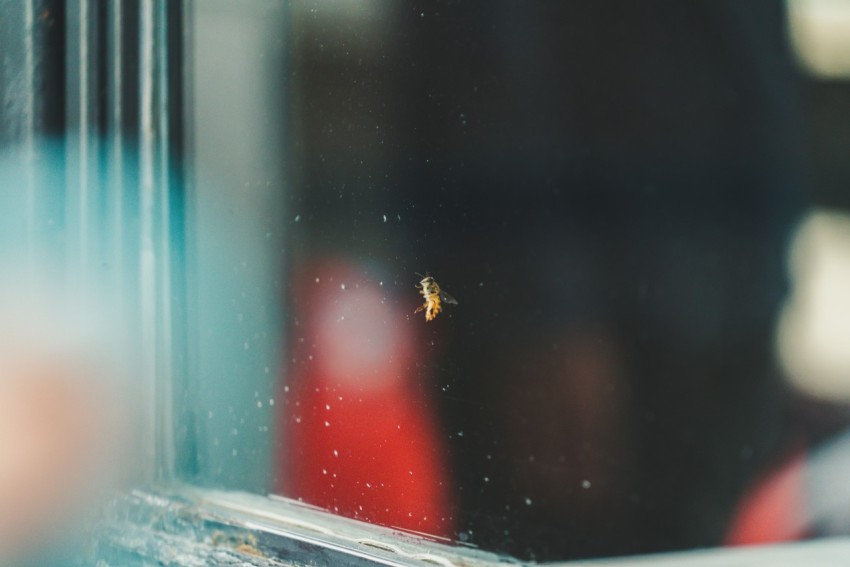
[[434, 297]]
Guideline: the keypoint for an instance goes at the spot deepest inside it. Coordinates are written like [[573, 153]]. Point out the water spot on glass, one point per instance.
[[480, 284], [585, 484], [460, 433], [318, 280], [528, 501], [398, 217], [486, 479], [259, 404], [286, 388], [342, 286], [463, 536], [324, 471], [271, 401], [327, 424], [327, 406], [336, 453], [209, 414], [245, 345], [297, 419], [385, 218], [234, 432], [297, 218], [234, 452]]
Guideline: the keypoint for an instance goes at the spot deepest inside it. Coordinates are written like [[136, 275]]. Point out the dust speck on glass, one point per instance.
[[641, 208]]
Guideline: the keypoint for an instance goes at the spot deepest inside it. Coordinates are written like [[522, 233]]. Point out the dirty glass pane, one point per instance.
[[513, 273]]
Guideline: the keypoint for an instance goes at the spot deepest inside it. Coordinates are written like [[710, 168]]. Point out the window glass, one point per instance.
[[516, 274]]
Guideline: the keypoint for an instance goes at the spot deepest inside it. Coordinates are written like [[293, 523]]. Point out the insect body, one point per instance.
[[434, 297]]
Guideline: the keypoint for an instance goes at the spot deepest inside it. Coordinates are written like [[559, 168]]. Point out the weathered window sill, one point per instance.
[[190, 526]]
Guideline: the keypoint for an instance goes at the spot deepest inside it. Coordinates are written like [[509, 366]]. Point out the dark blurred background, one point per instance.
[[609, 189]]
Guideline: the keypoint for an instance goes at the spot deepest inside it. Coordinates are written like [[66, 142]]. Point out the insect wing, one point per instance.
[[447, 298]]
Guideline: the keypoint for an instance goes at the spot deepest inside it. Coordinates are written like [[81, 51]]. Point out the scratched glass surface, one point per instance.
[[609, 191]]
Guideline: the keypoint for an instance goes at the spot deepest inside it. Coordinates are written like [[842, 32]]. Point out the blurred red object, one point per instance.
[[358, 435], [774, 508]]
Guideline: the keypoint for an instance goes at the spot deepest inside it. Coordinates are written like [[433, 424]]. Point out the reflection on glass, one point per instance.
[[608, 189]]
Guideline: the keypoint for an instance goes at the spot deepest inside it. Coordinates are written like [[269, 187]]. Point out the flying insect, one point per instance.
[[434, 297]]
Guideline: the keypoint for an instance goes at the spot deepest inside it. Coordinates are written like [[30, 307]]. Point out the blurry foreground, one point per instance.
[[65, 418]]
